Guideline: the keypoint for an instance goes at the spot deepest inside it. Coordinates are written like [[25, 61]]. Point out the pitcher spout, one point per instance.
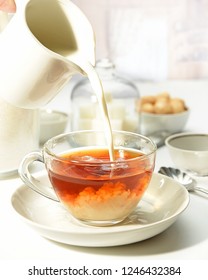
[[37, 50], [63, 28]]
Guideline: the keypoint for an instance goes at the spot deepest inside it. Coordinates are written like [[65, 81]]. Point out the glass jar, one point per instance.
[[19, 129], [19, 136], [121, 97]]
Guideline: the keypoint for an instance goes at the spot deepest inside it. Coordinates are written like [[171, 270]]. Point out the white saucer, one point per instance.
[[161, 205]]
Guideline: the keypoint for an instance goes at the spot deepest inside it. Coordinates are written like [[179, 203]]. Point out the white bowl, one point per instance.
[[171, 123], [52, 123], [189, 152]]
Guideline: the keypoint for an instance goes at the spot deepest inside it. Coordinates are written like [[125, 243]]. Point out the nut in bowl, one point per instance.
[[92, 188], [163, 113], [189, 152]]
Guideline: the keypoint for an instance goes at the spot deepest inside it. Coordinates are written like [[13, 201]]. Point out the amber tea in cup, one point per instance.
[[94, 189]]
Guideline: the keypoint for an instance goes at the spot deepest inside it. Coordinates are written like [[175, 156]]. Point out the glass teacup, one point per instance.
[[94, 189]]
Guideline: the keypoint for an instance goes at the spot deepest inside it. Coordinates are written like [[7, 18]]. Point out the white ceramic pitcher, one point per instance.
[[38, 50]]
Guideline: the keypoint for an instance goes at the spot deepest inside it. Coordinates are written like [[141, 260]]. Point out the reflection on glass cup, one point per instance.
[[92, 188]]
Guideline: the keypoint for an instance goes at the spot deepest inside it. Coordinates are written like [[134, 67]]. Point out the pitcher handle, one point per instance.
[[30, 180]]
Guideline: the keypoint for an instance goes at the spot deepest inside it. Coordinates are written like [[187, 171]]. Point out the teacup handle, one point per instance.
[[30, 180]]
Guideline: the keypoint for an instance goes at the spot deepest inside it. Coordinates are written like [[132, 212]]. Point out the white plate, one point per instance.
[[159, 208]]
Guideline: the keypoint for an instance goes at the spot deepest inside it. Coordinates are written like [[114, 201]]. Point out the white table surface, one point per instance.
[[186, 239]]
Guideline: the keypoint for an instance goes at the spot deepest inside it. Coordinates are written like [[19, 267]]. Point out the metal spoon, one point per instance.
[[183, 178]]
